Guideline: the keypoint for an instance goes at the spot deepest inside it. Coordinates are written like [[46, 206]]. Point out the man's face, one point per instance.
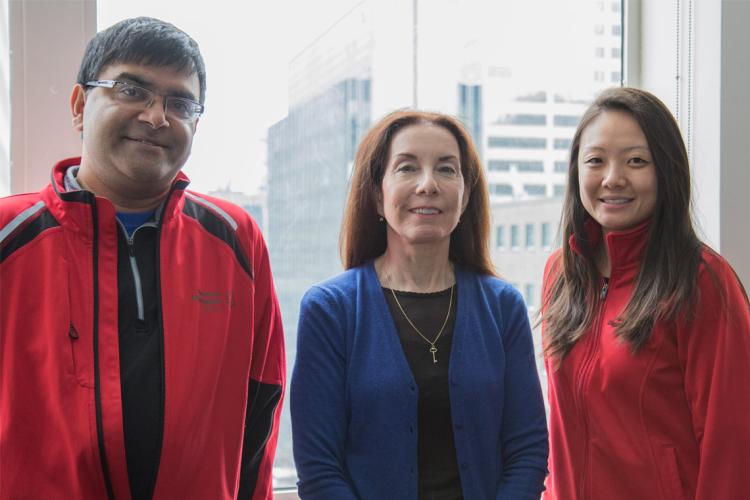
[[130, 151]]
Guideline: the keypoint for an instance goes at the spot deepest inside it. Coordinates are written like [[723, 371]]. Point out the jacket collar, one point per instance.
[[66, 195], [625, 248]]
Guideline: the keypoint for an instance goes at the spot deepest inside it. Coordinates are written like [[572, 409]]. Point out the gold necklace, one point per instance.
[[433, 349]]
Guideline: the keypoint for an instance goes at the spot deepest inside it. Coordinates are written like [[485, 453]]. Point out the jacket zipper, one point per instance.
[[97, 376], [586, 371], [134, 267]]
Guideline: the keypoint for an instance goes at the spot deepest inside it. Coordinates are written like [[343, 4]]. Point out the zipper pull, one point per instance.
[[603, 295], [72, 332]]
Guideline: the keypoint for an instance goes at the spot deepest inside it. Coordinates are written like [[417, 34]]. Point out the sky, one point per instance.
[[246, 47]]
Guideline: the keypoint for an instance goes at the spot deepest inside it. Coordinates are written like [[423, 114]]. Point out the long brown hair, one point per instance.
[[363, 236], [669, 270]]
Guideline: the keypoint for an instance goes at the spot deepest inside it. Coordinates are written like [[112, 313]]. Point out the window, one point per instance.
[[522, 119], [566, 120], [514, 236], [616, 30], [520, 165], [300, 135], [518, 142], [529, 235], [529, 294], [615, 77], [599, 52], [546, 235], [563, 143], [500, 165], [616, 7], [500, 236], [559, 190], [615, 52], [535, 189], [501, 189]]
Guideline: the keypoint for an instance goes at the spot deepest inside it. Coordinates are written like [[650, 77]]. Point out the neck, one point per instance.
[[415, 269], [143, 201]]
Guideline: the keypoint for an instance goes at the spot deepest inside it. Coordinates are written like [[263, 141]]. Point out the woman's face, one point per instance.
[[423, 192], [616, 174]]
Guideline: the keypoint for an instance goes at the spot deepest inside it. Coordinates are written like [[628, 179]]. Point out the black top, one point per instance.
[[141, 366], [436, 455]]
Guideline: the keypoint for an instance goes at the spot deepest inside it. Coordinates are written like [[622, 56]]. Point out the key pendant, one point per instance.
[[433, 350]]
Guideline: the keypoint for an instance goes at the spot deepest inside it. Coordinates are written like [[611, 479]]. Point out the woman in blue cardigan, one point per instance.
[[415, 374]]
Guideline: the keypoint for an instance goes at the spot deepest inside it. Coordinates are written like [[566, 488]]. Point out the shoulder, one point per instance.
[[338, 290], [716, 278], [552, 266], [497, 289], [11, 206], [229, 213], [19, 210]]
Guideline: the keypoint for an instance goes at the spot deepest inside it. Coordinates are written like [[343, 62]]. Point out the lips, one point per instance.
[[425, 211], [615, 200], [146, 141]]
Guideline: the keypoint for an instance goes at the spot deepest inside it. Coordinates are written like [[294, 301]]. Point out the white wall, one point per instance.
[[46, 42], [4, 101]]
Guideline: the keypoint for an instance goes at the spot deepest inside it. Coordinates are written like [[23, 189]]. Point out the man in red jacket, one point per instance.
[[141, 348]]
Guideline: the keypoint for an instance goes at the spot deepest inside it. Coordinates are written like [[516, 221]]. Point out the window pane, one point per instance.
[[500, 236], [321, 77], [518, 142], [529, 235]]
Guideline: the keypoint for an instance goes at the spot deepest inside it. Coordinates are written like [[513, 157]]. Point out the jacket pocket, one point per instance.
[[669, 473]]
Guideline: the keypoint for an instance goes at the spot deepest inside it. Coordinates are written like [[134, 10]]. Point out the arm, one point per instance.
[[318, 400], [524, 435], [715, 354], [266, 384]]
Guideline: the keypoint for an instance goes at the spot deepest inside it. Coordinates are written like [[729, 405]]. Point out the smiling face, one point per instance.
[[132, 152], [423, 192], [616, 174]]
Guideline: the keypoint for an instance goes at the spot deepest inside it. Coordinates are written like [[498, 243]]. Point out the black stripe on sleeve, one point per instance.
[[262, 401], [216, 226], [28, 233]]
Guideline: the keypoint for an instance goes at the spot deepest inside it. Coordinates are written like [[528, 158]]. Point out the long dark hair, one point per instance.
[[363, 237], [669, 270]]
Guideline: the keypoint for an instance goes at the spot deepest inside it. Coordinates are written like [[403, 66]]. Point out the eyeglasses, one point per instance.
[[137, 97]]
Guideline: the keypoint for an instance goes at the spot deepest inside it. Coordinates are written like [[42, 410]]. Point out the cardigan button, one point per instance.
[[411, 429], [464, 465], [413, 388], [459, 427]]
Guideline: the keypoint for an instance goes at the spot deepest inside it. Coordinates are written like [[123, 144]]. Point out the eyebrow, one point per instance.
[[139, 80], [410, 156], [624, 150]]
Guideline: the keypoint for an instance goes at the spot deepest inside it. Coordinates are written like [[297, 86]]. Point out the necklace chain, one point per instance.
[[433, 349]]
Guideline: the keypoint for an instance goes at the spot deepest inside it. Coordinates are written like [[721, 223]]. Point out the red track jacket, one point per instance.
[[61, 433], [669, 423]]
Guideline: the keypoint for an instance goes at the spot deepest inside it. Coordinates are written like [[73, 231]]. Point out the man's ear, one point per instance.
[[77, 102]]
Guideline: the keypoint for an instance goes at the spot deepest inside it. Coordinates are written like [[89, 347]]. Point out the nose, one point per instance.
[[155, 113], [427, 183], [614, 176]]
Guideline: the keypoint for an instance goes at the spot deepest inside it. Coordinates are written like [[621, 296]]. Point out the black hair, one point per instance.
[[143, 40]]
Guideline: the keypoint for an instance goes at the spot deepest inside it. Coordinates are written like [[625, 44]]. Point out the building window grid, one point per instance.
[[546, 230], [514, 236], [500, 237], [529, 236]]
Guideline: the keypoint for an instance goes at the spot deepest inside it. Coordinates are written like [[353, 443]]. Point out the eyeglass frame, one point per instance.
[[111, 84]]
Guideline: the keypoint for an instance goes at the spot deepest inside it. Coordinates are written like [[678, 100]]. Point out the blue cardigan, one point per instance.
[[354, 399]]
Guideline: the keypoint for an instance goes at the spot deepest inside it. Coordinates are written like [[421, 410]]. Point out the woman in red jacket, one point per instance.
[[646, 329]]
